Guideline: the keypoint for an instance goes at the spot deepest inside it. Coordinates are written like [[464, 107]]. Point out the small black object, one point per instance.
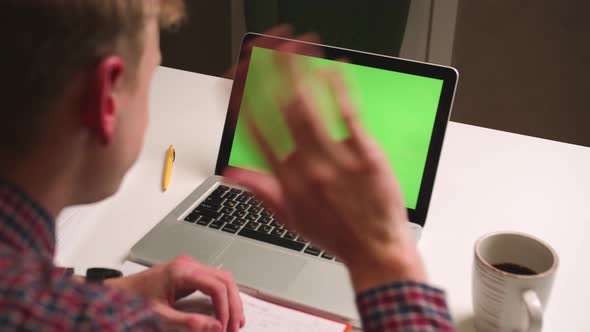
[[327, 256], [251, 217], [278, 232], [204, 221], [229, 228], [217, 224], [252, 225], [290, 236], [98, 275], [313, 251], [192, 217], [265, 228], [278, 241], [69, 271]]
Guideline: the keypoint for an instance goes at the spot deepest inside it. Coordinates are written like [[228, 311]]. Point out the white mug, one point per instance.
[[508, 297]]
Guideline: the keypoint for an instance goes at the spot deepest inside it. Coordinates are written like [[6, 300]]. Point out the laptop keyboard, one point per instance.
[[235, 211]]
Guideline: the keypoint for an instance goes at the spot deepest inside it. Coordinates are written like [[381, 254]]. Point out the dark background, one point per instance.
[[524, 65], [203, 43]]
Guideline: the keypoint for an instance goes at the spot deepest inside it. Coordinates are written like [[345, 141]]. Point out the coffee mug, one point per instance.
[[512, 277]]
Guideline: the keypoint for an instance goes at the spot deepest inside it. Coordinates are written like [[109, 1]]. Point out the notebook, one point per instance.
[[261, 316]]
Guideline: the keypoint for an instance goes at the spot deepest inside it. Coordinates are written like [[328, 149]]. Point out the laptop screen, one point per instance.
[[398, 110]]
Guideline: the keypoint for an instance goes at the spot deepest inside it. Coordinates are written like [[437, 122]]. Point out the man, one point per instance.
[[74, 92]]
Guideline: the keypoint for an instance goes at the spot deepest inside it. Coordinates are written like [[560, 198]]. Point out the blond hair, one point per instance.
[[47, 43]]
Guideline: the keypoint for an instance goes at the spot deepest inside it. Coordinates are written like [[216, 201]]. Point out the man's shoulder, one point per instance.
[[39, 296], [24, 269]]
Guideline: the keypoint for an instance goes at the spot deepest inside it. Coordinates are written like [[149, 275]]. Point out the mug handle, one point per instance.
[[535, 310]]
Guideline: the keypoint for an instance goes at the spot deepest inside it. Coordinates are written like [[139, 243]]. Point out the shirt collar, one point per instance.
[[24, 225]]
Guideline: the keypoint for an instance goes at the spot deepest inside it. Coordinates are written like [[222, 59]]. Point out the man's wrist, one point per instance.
[[138, 284], [122, 283], [393, 266]]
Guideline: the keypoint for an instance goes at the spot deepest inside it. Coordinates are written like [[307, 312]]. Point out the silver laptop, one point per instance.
[[404, 105]]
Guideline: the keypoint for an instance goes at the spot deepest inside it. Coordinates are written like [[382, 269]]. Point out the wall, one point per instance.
[[524, 67], [415, 44], [203, 44], [426, 19], [442, 36], [522, 63], [209, 42]]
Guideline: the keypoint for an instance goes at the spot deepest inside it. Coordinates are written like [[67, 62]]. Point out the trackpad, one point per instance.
[[260, 268]]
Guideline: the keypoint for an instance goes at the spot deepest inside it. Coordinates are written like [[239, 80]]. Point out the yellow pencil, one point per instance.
[[170, 157]]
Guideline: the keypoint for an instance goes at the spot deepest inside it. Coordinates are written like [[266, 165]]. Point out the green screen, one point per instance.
[[397, 110]]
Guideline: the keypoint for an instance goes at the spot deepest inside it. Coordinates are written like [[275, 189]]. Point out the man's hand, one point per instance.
[[280, 31], [341, 195], [240, 70], [162, 285]]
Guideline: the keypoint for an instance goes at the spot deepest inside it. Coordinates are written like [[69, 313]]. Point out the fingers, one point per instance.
[[304, 44], [301, 113], [292, 68], [266, 187], [236, 306], [281, 31], [174, 319], [305, 47], [347, 108], [236, 309], [304, 121], [217, 284], [217, 290], [309, 37], [263, 145]]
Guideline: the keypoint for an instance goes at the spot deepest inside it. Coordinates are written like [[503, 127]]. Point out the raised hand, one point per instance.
[[342, 194]]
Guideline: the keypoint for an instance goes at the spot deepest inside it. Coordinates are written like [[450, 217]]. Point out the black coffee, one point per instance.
[[514, 269]]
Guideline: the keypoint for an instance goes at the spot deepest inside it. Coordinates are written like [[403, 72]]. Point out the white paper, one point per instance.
[[261, 316]]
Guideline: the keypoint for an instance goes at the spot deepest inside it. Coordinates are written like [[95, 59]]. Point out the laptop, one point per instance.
[[404, 105]]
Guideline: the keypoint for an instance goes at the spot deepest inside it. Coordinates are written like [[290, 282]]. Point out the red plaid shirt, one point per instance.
[[35, 295], [404, 306]]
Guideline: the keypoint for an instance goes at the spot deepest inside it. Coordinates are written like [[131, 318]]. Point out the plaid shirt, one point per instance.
[[404, 306], [37, 296]]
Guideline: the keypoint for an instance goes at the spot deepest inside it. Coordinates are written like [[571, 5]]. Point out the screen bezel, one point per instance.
[[448, 75]]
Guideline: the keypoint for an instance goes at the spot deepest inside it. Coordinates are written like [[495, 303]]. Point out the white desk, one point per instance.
[[488, 180]]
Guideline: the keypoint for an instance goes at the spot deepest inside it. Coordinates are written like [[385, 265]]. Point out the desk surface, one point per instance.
[[487, 181]]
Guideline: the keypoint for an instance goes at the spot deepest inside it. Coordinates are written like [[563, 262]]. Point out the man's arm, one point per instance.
[[345, 189], [35, 295], [162, 285], [393, 295], [404, 306]]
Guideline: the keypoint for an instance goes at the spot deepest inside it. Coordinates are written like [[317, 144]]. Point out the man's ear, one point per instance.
[[100, 104]]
